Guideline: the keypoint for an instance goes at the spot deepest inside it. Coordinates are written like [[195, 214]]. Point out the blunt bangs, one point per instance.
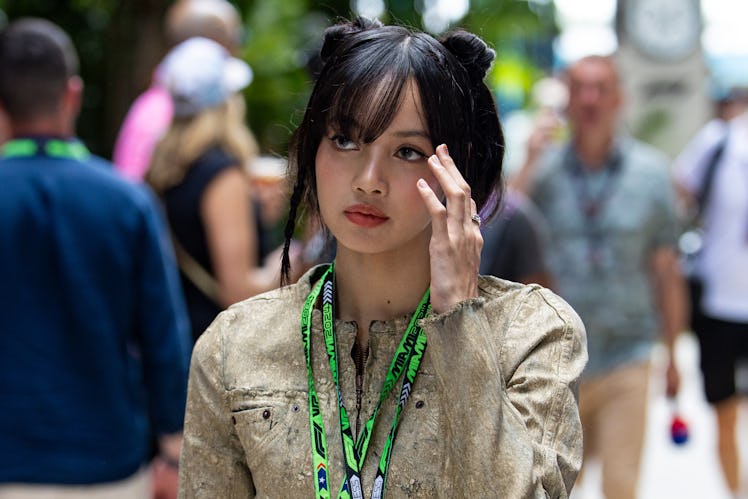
[[365, 92]]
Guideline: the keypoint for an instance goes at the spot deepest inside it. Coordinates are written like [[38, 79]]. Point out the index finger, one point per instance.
[[442, 152]]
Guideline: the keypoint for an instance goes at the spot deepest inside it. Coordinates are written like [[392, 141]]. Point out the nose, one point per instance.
[[589, 94], [370, 176]]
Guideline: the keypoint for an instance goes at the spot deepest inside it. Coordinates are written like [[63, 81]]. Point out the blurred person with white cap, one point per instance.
[[198, 170], [152, 111]]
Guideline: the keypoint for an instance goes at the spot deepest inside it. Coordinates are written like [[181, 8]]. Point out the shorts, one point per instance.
[[723, 345]]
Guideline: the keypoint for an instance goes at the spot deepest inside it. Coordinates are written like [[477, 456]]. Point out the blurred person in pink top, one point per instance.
[[152, 111]]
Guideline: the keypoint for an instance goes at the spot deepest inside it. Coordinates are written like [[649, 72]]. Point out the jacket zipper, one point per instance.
[[360, 354]]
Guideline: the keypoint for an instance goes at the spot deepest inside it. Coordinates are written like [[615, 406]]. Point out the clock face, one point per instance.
[[666, 30]]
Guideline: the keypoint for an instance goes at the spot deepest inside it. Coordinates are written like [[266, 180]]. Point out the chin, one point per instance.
[[368, 246]]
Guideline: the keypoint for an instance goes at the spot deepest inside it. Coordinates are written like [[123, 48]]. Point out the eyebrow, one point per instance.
[[412, 133]]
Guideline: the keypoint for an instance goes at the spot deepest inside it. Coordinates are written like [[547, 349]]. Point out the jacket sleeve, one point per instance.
[[212, 462], [510, 368]]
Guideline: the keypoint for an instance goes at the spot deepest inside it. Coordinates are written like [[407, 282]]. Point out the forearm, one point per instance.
[[241, 281], [537, 143], [522, 180], [247, 283], [671, 297], [170, 447]]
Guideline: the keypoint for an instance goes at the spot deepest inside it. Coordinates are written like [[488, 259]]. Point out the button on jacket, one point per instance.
[[493, 412]]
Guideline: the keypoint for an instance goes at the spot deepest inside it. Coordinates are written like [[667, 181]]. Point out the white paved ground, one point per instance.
[[690, 471]]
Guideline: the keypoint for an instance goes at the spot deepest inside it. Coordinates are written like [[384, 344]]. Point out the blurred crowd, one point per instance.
[[113, 276]]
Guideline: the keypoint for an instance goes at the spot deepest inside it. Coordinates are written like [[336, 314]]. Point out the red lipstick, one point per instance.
[[365, 215]]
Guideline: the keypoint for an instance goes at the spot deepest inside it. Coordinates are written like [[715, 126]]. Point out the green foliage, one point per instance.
[[283, 37], [119, 43], [86, 21], [280, 83]]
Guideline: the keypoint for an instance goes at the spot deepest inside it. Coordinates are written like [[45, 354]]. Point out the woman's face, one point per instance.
[[367, 192]]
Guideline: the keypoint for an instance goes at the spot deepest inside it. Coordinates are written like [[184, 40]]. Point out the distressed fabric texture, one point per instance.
[[493, 413]]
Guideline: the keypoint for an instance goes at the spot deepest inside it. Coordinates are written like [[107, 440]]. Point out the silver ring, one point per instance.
[[476, 218]]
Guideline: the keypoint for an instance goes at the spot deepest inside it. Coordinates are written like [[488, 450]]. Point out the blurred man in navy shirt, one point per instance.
[[94, 347]]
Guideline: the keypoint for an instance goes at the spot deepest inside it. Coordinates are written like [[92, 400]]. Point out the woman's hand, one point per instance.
[[456, 241]]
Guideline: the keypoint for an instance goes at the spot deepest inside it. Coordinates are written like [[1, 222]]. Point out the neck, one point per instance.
[[49, 127], [379, 287], [593, 149]]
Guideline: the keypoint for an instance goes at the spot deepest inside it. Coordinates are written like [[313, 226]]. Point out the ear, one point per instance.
[[71, 104], [73, 96], [620, 98], [5, 130]]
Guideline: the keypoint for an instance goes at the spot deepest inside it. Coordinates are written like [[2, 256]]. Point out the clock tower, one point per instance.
[[662, 65]]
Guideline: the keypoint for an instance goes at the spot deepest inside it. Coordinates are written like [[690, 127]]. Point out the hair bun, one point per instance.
[[334, 34], [472, 52]]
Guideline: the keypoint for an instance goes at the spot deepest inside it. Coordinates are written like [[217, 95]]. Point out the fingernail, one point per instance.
[[422, 183], [446, 149]]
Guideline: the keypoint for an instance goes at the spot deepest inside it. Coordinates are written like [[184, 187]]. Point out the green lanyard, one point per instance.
[[54, 148], [409, 353]]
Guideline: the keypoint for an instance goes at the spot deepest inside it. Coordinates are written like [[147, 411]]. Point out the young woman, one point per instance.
[[198, 169], [396, 369]]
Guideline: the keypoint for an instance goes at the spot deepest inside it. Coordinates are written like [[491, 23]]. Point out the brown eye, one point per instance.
[[343, 143], [410, 154]]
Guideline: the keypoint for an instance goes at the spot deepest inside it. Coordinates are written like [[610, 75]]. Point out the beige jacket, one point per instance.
[[493, 412]]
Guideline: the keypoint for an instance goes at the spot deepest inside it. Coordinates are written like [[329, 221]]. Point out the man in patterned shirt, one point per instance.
[[610, 207]]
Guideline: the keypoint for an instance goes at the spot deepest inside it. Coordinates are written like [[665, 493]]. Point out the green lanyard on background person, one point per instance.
[[409, 354], [40, 146]]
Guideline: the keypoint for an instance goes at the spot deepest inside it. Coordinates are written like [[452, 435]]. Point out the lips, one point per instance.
[[365, 215]]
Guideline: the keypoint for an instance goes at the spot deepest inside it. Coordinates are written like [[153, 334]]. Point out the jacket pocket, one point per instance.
[[272, 428]]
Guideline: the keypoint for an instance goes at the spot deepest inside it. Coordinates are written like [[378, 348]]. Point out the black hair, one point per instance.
[[365, 68], [36, 60]]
